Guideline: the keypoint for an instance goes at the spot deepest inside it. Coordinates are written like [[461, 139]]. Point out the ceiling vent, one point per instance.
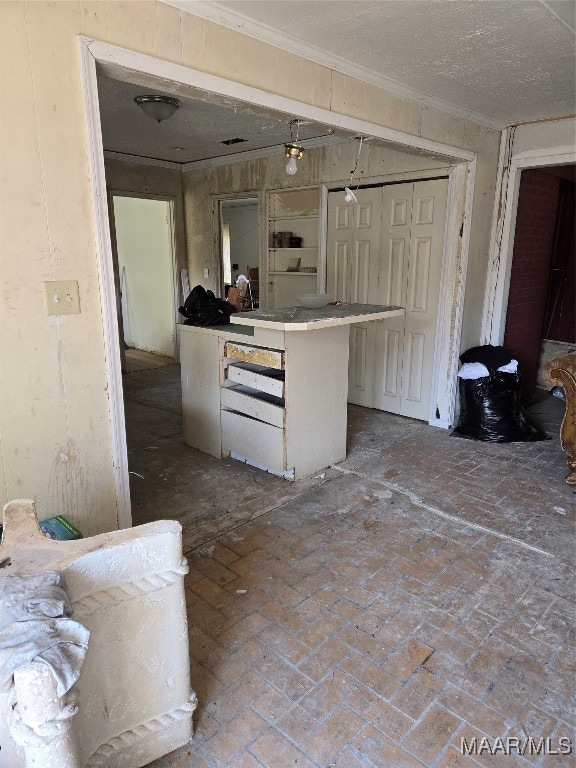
[[228, 142]]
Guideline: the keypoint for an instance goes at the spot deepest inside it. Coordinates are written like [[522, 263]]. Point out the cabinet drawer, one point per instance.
[[256, 377], [253, 404], [253, 439], [269, 358]]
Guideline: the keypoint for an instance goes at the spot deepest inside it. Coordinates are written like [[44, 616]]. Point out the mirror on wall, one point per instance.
[[240, 247]]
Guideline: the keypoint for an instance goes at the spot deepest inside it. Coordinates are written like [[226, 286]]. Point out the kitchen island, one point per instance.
[[271, 388]]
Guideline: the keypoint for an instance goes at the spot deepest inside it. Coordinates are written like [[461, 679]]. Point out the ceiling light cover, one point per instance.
[[350, 197], [158, 107]]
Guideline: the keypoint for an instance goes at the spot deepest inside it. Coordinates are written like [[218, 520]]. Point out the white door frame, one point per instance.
[[123, 63], [503, 232], [216, 209]]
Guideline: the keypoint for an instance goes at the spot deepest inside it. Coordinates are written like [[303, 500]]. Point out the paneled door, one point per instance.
[[353, 247], [389, 250]]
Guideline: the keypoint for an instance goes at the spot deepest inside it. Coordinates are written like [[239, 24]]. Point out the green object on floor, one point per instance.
[[60, 528]]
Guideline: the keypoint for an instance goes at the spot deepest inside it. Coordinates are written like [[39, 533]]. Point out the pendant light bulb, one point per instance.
[[293, 152], [291, 166]]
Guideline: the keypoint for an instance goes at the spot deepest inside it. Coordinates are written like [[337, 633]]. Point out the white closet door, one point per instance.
[[392, 290], [404, 370], [389, 250], [353, 254]]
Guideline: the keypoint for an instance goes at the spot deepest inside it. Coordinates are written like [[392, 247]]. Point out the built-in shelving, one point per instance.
[[294, 211]]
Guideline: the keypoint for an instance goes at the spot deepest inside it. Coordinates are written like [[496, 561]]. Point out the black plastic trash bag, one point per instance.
[[203, 308], [490, 356], [490, 410]]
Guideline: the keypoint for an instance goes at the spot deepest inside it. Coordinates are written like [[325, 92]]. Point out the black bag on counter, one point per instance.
[[202, 308], [490, 410]]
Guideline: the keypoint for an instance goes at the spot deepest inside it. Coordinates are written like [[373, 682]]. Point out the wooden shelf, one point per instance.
[[293, 218], [301, 248], [286, 272]]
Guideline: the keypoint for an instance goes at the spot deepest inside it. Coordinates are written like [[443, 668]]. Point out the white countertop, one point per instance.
[[302, 319]]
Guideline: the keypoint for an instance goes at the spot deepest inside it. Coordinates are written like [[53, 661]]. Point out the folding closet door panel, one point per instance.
[[423, 289], [353, 255], [392, 287]]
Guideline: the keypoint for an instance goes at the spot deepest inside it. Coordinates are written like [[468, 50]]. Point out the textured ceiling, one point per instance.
[[507, 61], [498, 61], [197, 129]]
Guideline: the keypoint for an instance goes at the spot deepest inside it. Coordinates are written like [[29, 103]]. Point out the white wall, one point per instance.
[[555, 137], [55, 437]]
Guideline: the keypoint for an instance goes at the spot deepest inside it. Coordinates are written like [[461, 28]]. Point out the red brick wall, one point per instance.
[[535, 223], [561, 312]]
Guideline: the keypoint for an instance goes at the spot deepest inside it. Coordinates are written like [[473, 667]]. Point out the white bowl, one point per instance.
[[314, 300]]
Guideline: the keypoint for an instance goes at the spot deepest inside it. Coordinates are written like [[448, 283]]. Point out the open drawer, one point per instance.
[[255, 440], [255, 404], [269, 358], [269, 380]]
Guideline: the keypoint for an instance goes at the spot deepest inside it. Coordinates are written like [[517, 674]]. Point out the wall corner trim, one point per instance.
[[503, 228], [106, 283]]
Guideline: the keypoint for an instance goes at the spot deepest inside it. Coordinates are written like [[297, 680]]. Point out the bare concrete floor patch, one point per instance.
[[514, 489]]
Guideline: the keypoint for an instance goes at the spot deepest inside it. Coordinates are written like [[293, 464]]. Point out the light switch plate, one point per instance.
[[62, 297]]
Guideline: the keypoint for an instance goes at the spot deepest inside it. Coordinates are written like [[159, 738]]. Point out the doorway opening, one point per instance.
[[540, 318], [183, 81], [145, 253]]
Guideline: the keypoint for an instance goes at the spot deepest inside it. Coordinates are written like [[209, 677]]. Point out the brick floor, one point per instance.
[[381, 614], [311, 665]]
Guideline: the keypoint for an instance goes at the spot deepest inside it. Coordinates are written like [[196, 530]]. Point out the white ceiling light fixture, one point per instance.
[[158, 108], [293, 150], [350, 196]]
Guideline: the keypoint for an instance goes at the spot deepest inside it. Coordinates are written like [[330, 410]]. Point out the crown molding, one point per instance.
[[213, 162], [140, 160], [563, 11], [265, 34]]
